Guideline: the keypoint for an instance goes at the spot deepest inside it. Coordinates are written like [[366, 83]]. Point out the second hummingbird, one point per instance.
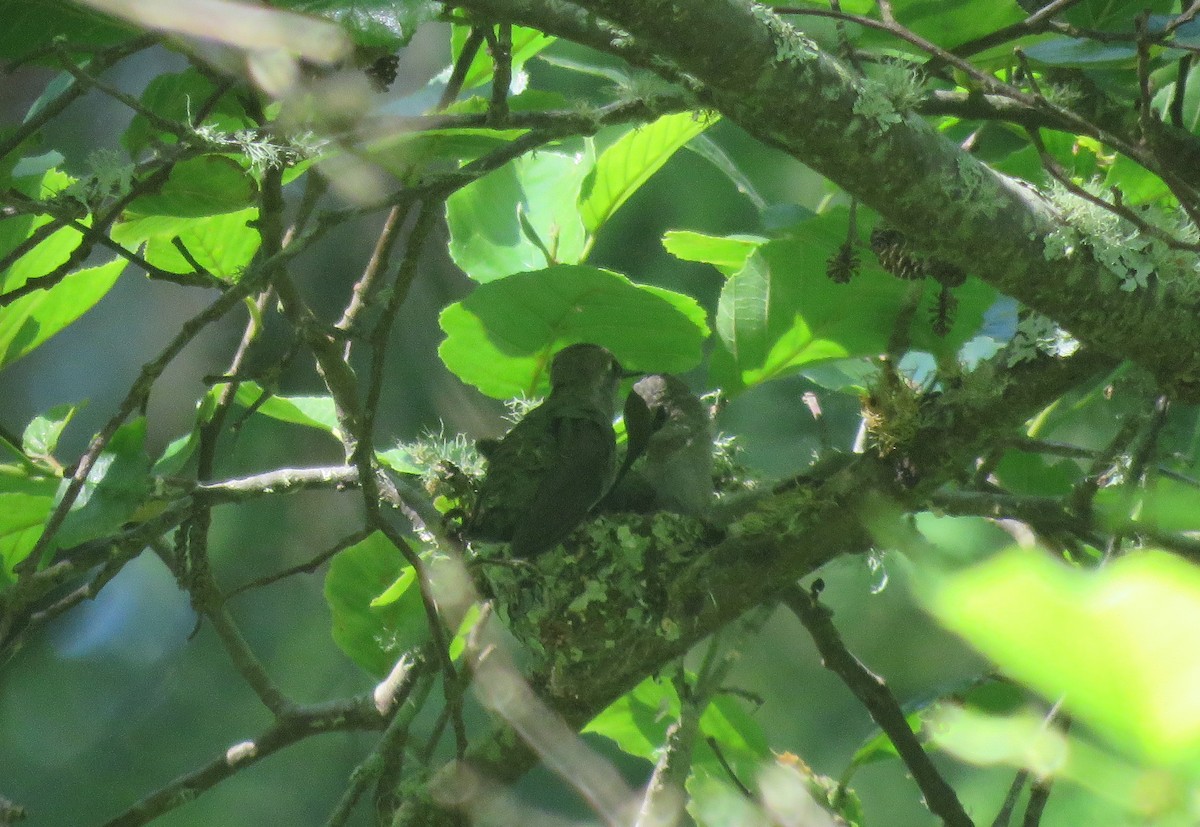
[[548, 472]]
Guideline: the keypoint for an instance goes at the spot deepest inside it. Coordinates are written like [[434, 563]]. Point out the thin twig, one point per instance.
[[879, 702], [414, 687], [101, 62], [501, 46], [307, 567], [1004, 816], [348, 715], [136, 398], [461, 66]]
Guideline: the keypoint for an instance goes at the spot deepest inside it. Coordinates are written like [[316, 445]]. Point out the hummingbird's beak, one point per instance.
[[631, 374]]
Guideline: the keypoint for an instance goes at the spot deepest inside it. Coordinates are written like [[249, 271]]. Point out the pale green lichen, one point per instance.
[[980, 187], [901, 82], [262, 152], [109, 177], [1039, 335], [430, 454], [1118, 245], [790, 44], [874, 105]]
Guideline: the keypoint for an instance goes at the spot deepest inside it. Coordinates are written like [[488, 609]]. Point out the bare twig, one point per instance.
[[307, 567], [99, 63], [409, 699], [351, 714], [136, 398], [1004, 816], [880, 704]]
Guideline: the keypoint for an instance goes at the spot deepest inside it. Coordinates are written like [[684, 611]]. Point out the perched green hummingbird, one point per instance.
[[668, 463], [546, 474]]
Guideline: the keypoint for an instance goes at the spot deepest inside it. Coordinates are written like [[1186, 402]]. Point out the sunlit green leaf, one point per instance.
[[501, 337], [116, 485], [207, 185], [1115, 646], [631, 160], [311, 411], [42, 433], [540, 190], [781, 312], [221, 244], [373, 635], [727, 253], [32, 319], [26, 498]]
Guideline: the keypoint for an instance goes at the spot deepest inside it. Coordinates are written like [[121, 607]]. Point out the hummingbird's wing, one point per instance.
[[579, 474]]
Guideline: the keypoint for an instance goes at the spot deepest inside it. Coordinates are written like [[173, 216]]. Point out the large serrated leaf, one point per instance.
[[501, 337], [632, 159], [781, 313], [222, 244]]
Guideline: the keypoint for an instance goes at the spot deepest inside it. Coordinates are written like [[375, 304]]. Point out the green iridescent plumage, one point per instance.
[[546, 474]]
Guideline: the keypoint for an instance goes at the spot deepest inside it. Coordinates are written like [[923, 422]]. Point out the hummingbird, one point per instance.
[[668, 460], [548, 472]]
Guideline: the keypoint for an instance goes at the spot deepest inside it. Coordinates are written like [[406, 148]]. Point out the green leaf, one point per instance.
[[388, 24], [31, 320], [1164, 504], [631, 160], [374, 636], [781, 313], [42, 433], [1025, 473], [311, 411], [394, 592], [117, 484], [638, 720], [222, 244], [32, 24], [51, 251], [1113, 15], [1080, 53], [949, 24], [1116, 645], [206, 185], [407, 152], [501, 337], [26, 498], [485, 218], [745, 310], [727, 253]]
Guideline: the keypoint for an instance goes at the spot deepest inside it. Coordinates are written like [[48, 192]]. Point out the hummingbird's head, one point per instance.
[[586, 369]]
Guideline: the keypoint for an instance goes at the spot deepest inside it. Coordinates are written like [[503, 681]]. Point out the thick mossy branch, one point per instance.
[[767, 77]]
